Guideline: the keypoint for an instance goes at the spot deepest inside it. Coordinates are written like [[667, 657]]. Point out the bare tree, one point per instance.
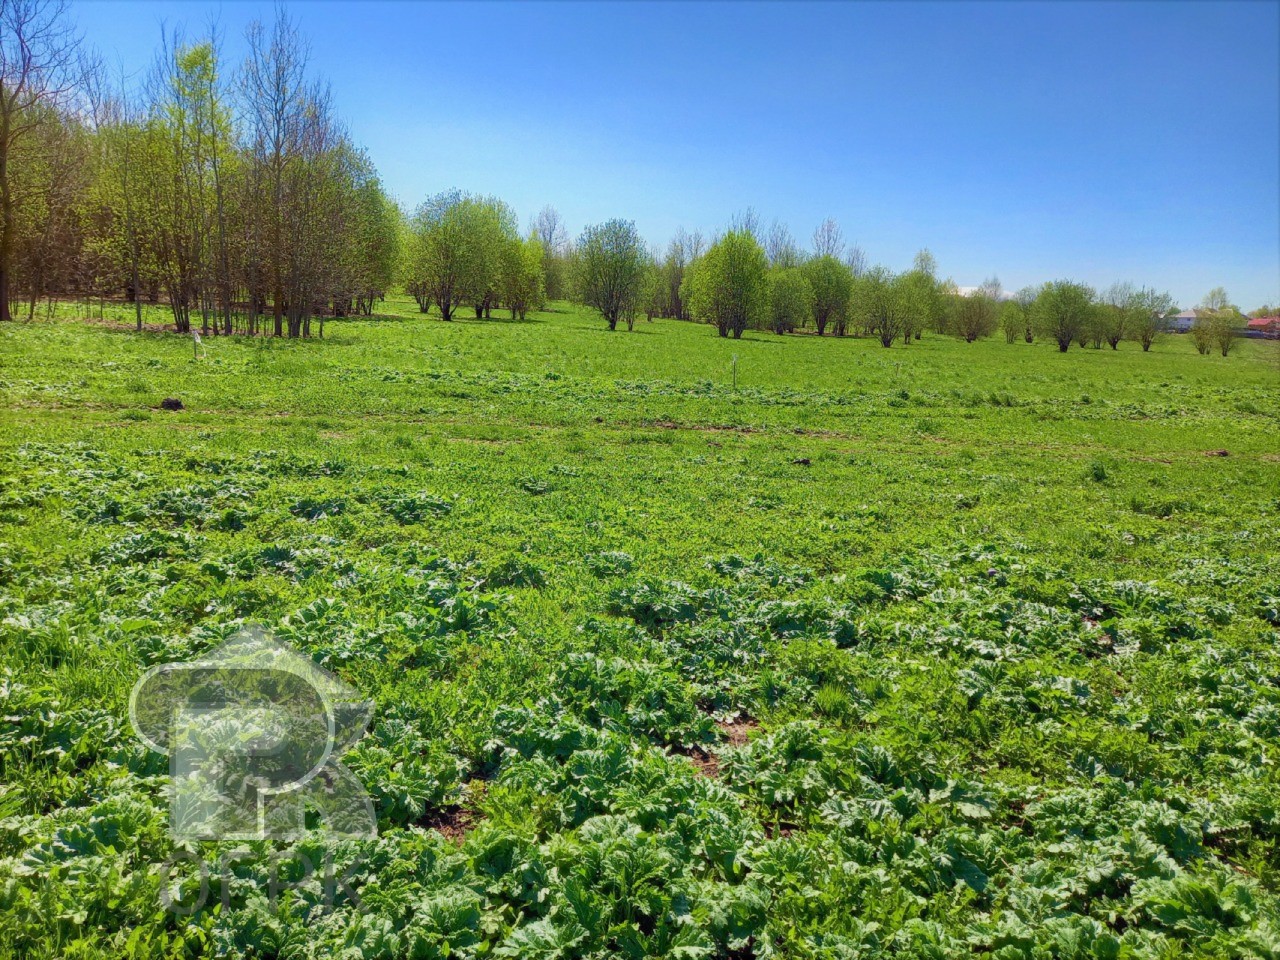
[[745, 221], [549, 230], [215, 116], [274, 78], [828, 241], [1216, 299], [925, 262], [856, 260], [780, 247], [697, 245], [40, 70]]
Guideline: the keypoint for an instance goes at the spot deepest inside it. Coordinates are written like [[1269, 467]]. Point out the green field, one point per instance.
[[942, 650]]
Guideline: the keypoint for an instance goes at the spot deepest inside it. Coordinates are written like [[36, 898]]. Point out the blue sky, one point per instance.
[[1035, 141]]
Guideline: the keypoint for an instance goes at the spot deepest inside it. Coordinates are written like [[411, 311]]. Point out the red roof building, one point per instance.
[[1267, 326]]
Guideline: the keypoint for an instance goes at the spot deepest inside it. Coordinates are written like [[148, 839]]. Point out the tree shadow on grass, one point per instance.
[[381, 318], [591, 328], [501, 321], [745, 338]]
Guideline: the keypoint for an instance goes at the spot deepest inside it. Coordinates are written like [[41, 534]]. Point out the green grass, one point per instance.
[[1000, 632]]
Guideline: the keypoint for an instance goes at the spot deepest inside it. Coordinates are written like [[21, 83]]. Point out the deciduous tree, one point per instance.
[[41, 68], [729, 288], [781, 248], [832, 285], [1025, 299], [975, 315], [1012, 321], [609, 263], [1150, 318], [1061, 310], [790, 299], [549, 230], [523, 284], [828, 240], [448, 254], [884, 302], [1121, 307]]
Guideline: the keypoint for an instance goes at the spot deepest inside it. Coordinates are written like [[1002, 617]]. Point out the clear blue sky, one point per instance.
[[1085, 140]]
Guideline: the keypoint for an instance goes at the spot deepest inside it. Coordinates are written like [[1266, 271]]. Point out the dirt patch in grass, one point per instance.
[[738, 732], [452, 822], [707, 761]]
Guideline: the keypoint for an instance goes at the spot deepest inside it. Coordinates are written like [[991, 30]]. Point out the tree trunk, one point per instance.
[[6, 232], [133, 290]]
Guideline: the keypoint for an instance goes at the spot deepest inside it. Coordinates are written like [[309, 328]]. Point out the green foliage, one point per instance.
[[523, 284], [1013, 321], [935, 692], [1216, 329], [832, 284], [729, 286], [460, 245], [790, 299], [888, 305], [974, 316], [1147, 320], [1062, 311], [609, 269]]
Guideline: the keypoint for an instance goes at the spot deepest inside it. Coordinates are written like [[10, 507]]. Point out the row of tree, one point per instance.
[[235, 196], [742, 281], [232, 195]]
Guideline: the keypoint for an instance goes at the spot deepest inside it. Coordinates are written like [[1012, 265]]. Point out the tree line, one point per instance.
[[234, 197], [757, 279], [231, 194]]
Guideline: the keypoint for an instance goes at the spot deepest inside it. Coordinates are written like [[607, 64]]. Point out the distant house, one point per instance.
[[1268, 327], [1260, 327]]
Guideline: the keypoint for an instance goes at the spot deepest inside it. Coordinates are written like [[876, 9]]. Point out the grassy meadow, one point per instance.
[[942, 650]]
